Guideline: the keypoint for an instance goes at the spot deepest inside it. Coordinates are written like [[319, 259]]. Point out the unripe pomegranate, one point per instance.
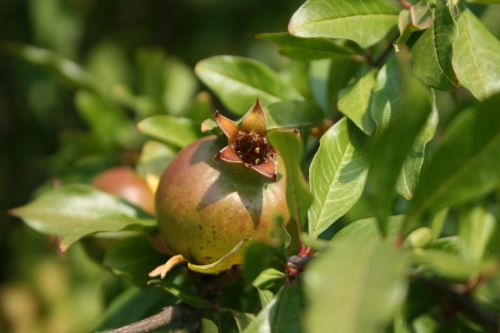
[[125, 183], [215, 194]]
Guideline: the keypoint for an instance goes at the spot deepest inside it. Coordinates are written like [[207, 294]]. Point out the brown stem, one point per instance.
[[464, 302], [165, 317], [405, 4]]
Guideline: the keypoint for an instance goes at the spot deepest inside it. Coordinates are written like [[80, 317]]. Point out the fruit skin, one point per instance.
[[206, 207], [125, 183]]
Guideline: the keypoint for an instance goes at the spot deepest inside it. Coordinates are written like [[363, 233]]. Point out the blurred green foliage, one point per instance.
[[126, 47]]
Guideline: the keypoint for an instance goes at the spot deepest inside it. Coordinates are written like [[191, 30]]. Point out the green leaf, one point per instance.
[[175, 131], [356, 286], [408, 178], [368, 229], [291, 149], [476, 59], [465, 163], [282, 314], [108, 62], [337, 175], [154, 159], [208, 326], [76, 211], [239, 81], [433, 51], [386, 159], [108, 122], [365, 22], [69, 71], [308, 48], [445, 264], [133, 257], [132, 305], [354, 100], [386, 93], [418, 17], [484, 1], [293, 114], [268, 278], [476, 230], [179, 87]]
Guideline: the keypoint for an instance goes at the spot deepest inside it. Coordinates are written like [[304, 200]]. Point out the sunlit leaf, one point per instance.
[[350, 281], [354, 100], [179, 87], [476, 230], [76, 211], [365, 22], [175, 131], [476, 59], [239, 81], [337, 175]]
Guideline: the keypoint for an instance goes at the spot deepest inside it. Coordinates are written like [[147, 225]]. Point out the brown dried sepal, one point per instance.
[[247, 142]]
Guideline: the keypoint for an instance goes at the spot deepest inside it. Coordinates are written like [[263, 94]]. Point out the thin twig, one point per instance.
[[165, 317], [464, 302]]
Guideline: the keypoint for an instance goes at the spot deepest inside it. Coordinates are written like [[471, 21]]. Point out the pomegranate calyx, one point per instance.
[[247, 142]]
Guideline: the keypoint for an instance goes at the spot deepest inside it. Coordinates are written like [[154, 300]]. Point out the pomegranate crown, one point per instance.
[[247, 143]]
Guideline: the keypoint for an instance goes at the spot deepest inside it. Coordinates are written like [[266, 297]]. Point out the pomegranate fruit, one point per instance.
[[125, 183], [215, 194]]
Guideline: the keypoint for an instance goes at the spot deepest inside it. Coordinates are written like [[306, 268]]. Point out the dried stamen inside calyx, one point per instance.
[[252, 148]]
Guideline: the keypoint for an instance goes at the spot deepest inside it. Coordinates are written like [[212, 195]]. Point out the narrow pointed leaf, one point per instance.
[[465, 163], [352, 279], [308, 48], [386, 160], [408, 178], [239, 81], [76, 211], [337, 175], [354, 100], [365, 22], [476, 59], [291, 149], [432, 53]]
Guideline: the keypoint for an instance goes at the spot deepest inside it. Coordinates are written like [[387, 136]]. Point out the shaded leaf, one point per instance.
[[386, 160], [133, 257], [268, 278], [418, 17], [179, 87], [239, 81], [175, 131], [337, 175], [465, 163], [291, 149], [124, 309], [365, 22], [349, 281], [282, 314], [293, 114], [368, 229], [433, 51], [476, 59], [408, 179], [354, 100], [76, 211], [308, 48], [154, 159]]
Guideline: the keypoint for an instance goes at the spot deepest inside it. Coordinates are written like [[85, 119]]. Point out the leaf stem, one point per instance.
[[165, 317]]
